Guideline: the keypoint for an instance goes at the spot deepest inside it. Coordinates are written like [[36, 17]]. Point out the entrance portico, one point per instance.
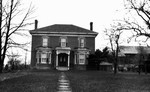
[[63, 57]]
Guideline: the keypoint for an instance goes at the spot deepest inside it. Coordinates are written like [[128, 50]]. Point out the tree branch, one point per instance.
[[21, 24]]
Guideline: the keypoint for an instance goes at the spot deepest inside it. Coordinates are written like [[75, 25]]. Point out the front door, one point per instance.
[[63, 59]]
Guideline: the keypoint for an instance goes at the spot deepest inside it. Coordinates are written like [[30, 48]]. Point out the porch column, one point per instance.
[[56, 60], [75, 57], [50, 58], [68, 61]]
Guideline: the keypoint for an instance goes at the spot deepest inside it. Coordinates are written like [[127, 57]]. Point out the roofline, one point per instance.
[[72, 35], [75, 33]]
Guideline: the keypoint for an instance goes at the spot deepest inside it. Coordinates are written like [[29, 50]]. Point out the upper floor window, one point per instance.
[[63, 42], [45, 41], [82, 42]]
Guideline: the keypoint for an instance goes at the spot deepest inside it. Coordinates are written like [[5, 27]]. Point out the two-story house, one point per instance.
[[61, 46]]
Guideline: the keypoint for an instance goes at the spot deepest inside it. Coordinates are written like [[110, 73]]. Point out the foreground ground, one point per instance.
[[81, 81]]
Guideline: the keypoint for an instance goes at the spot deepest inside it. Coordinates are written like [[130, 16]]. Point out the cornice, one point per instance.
[[64, 34]]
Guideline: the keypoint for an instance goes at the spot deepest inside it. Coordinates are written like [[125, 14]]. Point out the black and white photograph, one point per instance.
[[75, 46]]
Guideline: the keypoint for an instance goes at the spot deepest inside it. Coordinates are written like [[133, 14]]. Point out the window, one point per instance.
[[44, 58], [63, 42], [82, 42], [81, 59], [45, 41]]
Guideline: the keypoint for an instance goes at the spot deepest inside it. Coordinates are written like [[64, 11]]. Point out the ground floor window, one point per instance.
[[43, 57], [81, 58]]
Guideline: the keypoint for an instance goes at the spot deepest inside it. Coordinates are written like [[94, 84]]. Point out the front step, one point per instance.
[[62, 68]]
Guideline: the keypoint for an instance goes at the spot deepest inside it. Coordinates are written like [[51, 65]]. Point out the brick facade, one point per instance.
[[66, 46]]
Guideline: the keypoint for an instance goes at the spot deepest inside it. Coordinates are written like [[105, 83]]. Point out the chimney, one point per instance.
[[36, 24], [91, 26]]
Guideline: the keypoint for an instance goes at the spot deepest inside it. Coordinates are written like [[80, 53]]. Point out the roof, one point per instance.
[[63, 28], [121, 54], [105, 63], [134, 49]]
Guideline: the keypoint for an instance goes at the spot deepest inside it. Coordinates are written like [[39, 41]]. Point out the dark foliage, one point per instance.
[[94, 60], [102, 54]]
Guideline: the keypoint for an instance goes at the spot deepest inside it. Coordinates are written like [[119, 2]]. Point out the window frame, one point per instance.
[[45, 43], [40, 58], [83, 62], [63, 44], [82, 44]]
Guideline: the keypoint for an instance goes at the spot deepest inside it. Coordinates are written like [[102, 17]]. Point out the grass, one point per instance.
[[81, 81], [37, 81], [96, 81]]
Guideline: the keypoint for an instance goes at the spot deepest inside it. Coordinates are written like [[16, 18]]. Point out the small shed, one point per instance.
[[106, 66]]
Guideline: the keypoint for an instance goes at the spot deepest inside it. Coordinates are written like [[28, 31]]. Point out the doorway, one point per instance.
[[63, 59]]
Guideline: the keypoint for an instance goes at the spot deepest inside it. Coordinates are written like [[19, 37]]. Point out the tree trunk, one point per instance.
[[115, 68], [139, 70], [1, 62], [116, 56], [7, 37], [0, 14], [145, 67], [1, 67], [1, 21], [116, 64]]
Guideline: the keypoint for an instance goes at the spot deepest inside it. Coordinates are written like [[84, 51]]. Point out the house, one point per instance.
[[134, 53], [106, 66], [61, 46], [131, 56]]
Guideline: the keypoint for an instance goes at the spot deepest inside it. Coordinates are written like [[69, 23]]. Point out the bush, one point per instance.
[[93, 62]]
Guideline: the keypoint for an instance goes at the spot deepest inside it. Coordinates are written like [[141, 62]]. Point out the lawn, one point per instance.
[[96, 81], [35, 81], [81, 81]]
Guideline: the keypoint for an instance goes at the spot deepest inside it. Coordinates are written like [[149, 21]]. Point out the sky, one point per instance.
[[80, 13], [77, 12]]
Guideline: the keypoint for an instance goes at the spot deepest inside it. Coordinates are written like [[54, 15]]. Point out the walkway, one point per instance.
[[63, 83]]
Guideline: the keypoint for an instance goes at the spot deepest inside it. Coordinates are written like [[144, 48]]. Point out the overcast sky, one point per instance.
[[80, 13]]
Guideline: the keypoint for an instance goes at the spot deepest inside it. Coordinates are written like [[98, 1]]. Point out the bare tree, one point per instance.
[[139, 22], [13, 20], [114, 36], [0, 14]]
